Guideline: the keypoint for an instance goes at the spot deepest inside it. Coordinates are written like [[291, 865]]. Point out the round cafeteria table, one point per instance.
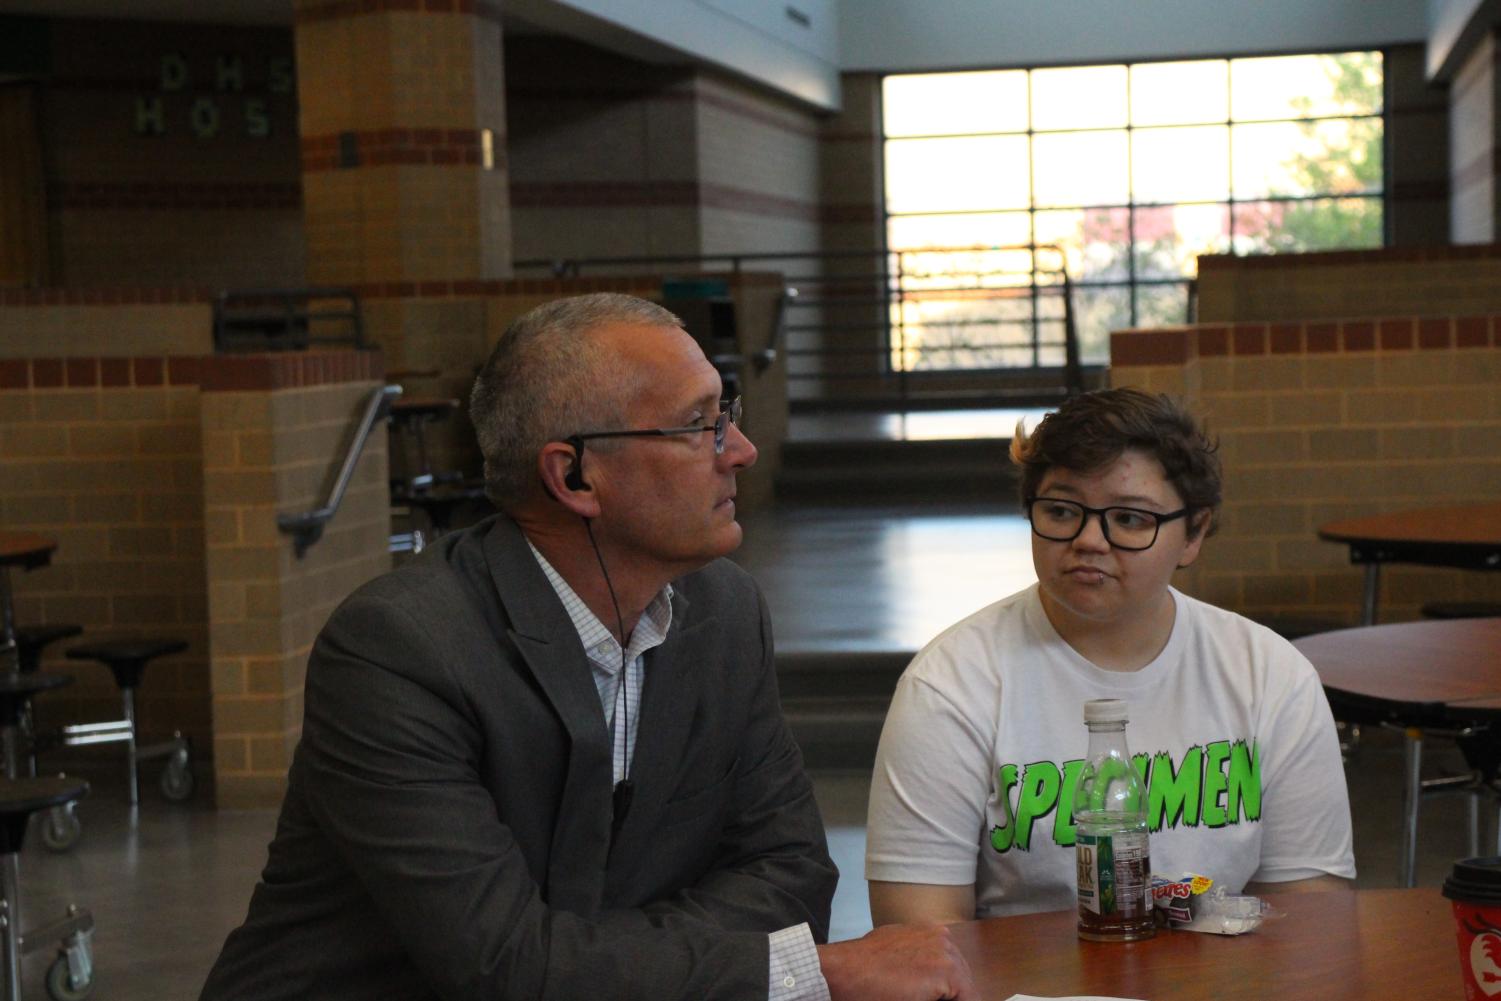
[[1430, 674]]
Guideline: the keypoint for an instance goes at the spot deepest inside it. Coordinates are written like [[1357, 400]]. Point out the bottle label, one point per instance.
[[1113, 872]]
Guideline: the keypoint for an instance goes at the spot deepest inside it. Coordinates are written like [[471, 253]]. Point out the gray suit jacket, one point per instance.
[[447, 825]]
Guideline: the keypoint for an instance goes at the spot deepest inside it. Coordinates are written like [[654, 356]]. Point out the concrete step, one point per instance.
[[885, 470], [837, 733], [840, 673], [836, 702]]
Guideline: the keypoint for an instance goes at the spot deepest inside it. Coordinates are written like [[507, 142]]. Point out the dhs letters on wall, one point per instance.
[[226, 94]]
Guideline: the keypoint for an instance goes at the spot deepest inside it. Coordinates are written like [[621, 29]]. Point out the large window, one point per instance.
[[1134, 170]]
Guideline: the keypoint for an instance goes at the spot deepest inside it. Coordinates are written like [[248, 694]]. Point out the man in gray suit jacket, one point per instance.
[[547, 759]]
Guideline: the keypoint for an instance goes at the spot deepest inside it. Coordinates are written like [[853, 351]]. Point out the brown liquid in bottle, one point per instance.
[[1118, 927], [1115, 877]]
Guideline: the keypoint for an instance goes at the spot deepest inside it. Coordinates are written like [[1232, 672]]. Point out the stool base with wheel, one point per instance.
[[71, 975], [30, 642], [127, 659], [60, 826]]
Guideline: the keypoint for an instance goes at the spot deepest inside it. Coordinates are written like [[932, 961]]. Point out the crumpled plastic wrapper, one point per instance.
[[1193, 903]]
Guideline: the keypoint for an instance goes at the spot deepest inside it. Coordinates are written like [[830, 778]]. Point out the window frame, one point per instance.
[[1132, 281]]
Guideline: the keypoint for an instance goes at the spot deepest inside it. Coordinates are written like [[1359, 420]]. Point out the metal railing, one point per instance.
[[286, 319], [898, 327], [307, 528]]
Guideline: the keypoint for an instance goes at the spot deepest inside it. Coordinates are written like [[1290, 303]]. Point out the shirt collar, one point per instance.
[[599, 643]]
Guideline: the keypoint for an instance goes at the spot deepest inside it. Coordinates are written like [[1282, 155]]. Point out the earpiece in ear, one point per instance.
[[575, 478]]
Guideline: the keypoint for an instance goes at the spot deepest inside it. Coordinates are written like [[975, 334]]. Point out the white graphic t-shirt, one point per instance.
[[1229, 728]]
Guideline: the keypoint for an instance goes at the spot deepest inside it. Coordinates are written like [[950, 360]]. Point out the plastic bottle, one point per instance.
[[1110, 817]]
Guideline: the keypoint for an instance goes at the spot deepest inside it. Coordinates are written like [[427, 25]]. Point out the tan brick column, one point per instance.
[[852, 194], [274, 431], [403, 164]]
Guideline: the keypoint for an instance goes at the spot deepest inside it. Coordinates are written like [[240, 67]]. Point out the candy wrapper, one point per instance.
[[1193, 903], [1178, 900]]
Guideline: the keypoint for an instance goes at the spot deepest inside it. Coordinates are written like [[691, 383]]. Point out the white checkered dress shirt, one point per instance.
[[794, 973], [603, 650]]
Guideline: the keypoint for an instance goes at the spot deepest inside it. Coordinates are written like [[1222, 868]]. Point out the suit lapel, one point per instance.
[[551, 653], [674, 676]]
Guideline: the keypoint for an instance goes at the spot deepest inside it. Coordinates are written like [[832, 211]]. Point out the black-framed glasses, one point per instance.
[[729, 413], [1128, 528]]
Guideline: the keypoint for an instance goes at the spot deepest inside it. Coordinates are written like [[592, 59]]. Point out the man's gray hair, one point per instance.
[[547, 379]]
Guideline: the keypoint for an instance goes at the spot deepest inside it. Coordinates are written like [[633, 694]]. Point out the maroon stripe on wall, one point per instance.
[[642, 284], [283, 370], [1178, 345], [597, 194], [685, 194], [675, 93], [723, 197], [309, 11], [165, 295], [412, 146], [175, 196], [1385, 255], [763, 116]]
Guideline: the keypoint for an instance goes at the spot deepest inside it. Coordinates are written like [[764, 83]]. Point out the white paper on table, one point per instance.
[[1071, 997]]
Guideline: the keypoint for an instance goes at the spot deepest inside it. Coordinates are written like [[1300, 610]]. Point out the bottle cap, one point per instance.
[[1106, 711]]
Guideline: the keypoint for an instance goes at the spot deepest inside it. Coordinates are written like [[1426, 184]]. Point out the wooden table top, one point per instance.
[[1334, 946], [25, 549], [1429, 663], [1470, 524]]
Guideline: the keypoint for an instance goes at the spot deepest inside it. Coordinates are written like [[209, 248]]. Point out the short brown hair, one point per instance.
[[1090, 431]]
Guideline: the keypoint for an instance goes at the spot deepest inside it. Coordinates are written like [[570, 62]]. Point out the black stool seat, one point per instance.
[[1461, 610], [17, 689], [32, 640], [126, 658], [20, 798]]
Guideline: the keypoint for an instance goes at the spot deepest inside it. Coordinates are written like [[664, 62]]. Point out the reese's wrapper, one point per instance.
[[1178, 899]]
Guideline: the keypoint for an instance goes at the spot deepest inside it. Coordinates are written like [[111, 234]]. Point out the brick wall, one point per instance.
[[852, 197], [623, 158], [1322, 420], [111, 321], [272, 436], [395, 103], [1401, 281], [131, 463], [104, 456], [603, 158], [162, 169], [758, 164]]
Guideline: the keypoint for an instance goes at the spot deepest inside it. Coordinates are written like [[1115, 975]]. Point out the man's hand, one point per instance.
[[898, 963]]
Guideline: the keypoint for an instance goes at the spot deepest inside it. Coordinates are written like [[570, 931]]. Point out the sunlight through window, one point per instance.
[[1130, 170]]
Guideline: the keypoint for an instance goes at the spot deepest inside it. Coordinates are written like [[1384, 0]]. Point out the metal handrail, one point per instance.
[[286, 321], [572, 267], [767, 356], [889, 282], [307, 528]]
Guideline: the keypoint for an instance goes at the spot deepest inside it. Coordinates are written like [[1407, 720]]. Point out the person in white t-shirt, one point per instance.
[[971, 800]]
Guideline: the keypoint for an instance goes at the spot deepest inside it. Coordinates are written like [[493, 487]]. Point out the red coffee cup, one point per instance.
[[1475, 889]]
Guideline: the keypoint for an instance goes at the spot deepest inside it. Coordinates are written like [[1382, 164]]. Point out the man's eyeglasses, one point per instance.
[[729, 413], [1128, 528]]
